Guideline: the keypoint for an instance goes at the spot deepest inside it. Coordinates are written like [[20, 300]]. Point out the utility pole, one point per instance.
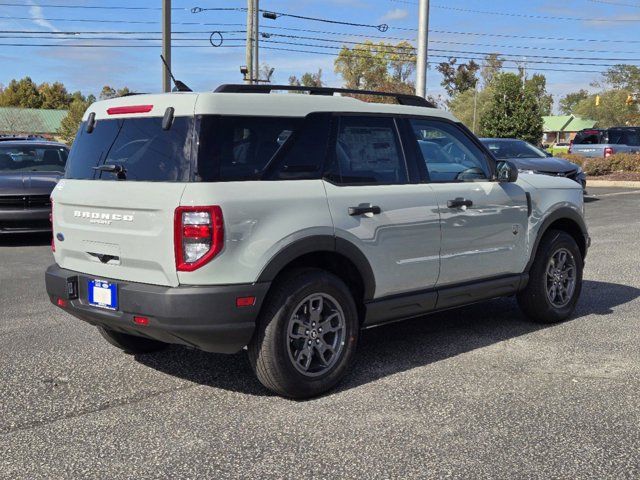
[[256, 40], [250, 39], [423, 46], [166, 44]]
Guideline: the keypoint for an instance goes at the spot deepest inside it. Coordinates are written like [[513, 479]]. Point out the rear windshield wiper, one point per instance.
[[119, 170]]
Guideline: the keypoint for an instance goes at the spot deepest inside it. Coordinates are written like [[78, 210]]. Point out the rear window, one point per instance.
[[33, 158], [139, 145], [588, 137]]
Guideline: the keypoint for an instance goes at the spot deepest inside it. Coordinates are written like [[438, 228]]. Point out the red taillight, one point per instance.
[[245, 301], [144, 321], [129, 109], [198, 236], [608, 151], [53, 238], [62, 303]]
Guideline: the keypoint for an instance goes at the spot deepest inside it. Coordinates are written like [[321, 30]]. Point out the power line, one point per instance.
[[455, 53], [536, 68], [526, 15], [615, 3], [447, 42], [382, 27], [91, 7]]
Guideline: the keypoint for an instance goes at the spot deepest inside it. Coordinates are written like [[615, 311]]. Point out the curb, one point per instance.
[[613, 183]]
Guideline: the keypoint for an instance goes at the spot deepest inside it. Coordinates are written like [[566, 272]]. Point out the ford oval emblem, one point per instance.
[[60, 237]]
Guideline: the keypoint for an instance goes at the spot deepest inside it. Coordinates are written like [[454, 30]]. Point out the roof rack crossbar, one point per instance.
[[401, 98]]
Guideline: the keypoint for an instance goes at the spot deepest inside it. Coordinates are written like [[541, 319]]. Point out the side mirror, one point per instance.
[[549, 154], [507, 172]]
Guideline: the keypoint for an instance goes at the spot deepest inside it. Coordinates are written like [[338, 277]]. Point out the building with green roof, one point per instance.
[[30, 121], [563, 128]]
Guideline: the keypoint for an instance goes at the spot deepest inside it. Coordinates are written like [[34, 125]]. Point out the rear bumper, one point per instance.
[[21, 220], [204, 317]]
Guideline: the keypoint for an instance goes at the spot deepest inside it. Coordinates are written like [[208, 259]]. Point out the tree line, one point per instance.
[[25, 93]]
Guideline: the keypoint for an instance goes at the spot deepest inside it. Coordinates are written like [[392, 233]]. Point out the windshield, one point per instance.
[[140, 146], [506, 149], [32, 158]]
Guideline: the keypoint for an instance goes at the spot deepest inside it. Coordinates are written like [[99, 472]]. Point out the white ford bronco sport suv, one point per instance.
[[286, 223]]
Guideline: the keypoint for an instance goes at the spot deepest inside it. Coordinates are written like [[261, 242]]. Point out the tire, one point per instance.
[[535, 300], [130, 343], [293, 316]]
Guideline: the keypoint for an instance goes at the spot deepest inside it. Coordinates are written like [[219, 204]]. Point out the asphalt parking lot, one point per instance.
[[476, 392]]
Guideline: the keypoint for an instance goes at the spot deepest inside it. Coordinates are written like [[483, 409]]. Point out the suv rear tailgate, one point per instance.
[[118, 230]]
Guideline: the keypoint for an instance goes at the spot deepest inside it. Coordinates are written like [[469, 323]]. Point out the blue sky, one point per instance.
[[609, 29]]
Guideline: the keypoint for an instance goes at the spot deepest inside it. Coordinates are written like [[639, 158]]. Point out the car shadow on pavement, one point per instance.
[[25, 240], [398, 347]]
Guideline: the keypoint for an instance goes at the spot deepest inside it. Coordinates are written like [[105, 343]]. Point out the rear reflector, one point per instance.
[[61, 302], [245, 301], [129, 109], [141, 320]]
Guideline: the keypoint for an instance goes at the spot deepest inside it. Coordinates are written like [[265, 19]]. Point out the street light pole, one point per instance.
[[166, 44], [423, 45]]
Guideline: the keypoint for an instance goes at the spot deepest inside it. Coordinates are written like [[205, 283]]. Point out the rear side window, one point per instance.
[[242, 148], [140, 145], [624, 137], [367, 151]]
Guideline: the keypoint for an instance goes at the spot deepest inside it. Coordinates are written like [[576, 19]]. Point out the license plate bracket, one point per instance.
[[103, 294]]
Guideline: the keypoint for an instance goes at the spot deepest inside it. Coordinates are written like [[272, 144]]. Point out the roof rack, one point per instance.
[[401, 98]]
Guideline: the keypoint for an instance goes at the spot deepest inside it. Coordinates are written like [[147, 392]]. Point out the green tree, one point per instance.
[[54, 96], [537, 86], [108, 92], [491, 66], [469, 106], [612, 110], [622, 77], [21, 93], [458, 78], [570, 101], [514, 111], [308, 79], [73, 119], [377, 66]]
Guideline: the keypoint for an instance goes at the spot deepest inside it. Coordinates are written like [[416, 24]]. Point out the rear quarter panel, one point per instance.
[[260, 219]]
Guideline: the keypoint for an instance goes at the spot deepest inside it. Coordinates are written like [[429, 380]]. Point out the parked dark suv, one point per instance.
[[29, 169], [604, 143]]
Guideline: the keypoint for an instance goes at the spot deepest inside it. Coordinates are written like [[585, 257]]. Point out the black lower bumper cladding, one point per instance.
[[204, 317]]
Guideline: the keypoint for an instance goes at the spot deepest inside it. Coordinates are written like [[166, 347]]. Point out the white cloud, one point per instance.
[[395, 14], [38, 17]]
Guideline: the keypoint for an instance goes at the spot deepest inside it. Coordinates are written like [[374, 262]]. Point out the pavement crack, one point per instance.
[[79, 413]]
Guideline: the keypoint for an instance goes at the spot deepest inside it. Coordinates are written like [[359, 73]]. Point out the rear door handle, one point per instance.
[[362, 209], [459, 202]]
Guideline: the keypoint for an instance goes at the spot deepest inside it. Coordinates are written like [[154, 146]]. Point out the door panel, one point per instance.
[[486, 239], [402, 243]]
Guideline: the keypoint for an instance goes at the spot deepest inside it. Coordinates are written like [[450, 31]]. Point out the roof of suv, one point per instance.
[[257, 104], [31, 143]]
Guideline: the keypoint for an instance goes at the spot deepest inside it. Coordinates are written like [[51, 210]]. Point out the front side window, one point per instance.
[[448, 154], [367, 151]]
